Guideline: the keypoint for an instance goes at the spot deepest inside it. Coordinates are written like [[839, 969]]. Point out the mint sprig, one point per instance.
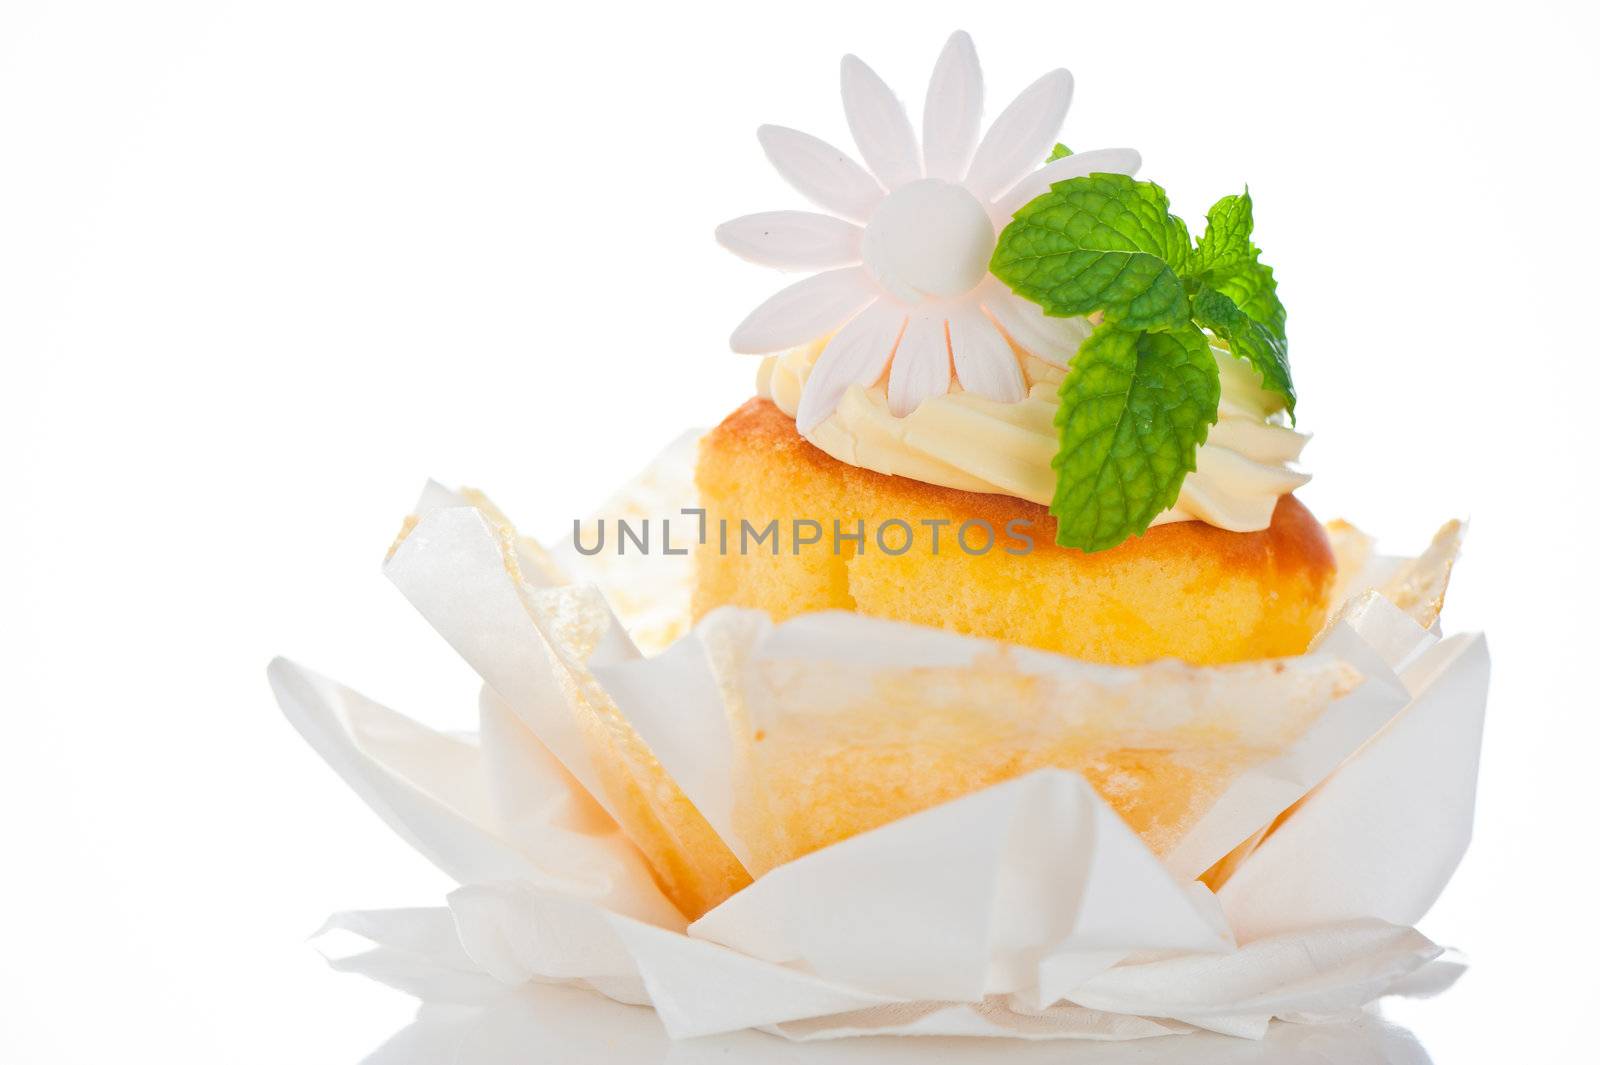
[[1247, 338], [1144, 389], [1226, 240], [1105, 243], [1229, 261], [1134, 410]]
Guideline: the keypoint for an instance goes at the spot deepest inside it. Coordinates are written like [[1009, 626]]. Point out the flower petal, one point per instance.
[[1098, 161], [792, 240], [879, 124], [855, 356], [804, 311], [953, 111], [1021, 137], [921, 367], [1055, 340], [985, 364], [821, 173]]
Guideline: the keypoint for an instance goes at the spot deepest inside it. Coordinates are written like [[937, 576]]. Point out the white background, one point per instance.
[[265, 267]]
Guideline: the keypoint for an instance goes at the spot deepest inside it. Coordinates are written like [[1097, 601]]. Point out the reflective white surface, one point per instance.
[[556, 1024]]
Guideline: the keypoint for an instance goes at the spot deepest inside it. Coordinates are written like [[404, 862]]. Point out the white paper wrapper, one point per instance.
[[1028, 909]]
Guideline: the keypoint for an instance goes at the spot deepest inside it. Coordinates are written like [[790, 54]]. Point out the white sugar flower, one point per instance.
[[905, 281]]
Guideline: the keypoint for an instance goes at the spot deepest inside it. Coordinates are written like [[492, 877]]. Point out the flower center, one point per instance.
[[929, 240]]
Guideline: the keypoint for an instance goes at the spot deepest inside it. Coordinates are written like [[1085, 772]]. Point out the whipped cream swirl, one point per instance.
[[966, 441]]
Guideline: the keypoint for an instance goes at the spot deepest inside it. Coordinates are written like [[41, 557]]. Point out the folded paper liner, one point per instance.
[[609, 796]]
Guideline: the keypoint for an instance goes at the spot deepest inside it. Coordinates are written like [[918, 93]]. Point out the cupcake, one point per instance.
[[980, 675], [1015, 493], [1018, 401]]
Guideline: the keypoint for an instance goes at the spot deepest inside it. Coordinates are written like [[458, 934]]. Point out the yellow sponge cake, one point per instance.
[[1184, 590]]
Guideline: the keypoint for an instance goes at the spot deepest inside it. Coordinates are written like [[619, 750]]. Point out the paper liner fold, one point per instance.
[[417, 951], [845, 745], [532, 644], [1382, 837], [610, 794], [1039, 885]]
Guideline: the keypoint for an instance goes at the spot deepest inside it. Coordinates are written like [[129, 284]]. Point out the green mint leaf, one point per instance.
[[1226, 241], [1143, 390], [1104, 242], [1060, 151], [1135, 407], [1229, 261], [1236, 296], [1248, 339], [1252, 287]]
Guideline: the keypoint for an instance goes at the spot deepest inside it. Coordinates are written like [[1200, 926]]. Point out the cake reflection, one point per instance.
[[542, 1024]]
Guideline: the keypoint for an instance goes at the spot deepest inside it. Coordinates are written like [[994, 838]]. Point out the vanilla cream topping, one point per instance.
[[960, 440]]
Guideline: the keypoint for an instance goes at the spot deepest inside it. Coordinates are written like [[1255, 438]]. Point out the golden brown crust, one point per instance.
[[1184, 589]]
